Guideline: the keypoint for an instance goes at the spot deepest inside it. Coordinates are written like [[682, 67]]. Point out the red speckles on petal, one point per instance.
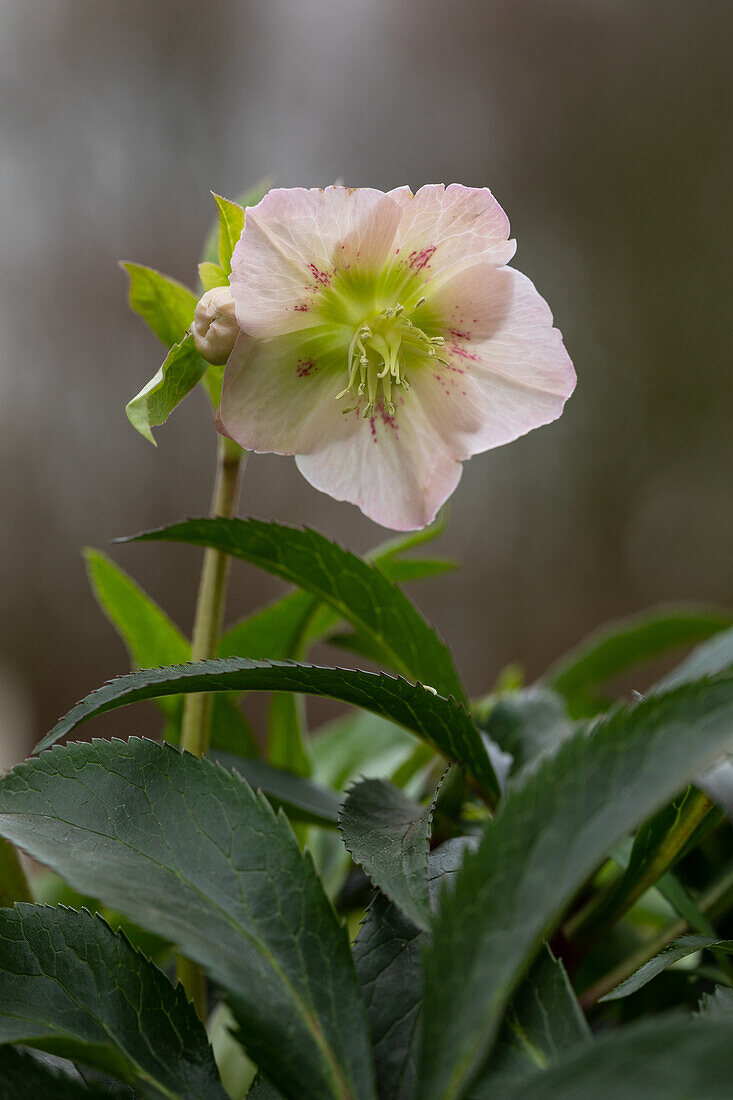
[[420, 260], [320, 276], [306, 367], [460, 334], [456, 349], [302, 307]]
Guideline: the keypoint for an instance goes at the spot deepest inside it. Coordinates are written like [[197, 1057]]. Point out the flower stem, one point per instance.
[[13, 882], [196, 721]]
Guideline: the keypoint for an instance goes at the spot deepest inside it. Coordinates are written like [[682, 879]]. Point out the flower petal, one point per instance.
[[508, 369], [444, 228], [293, 244], [395, 469], [278, 395]]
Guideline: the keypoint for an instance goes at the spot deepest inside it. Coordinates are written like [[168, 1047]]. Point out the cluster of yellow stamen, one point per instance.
[[376, 356]]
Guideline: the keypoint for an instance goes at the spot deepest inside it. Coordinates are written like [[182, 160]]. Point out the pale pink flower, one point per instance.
[[386, 341]]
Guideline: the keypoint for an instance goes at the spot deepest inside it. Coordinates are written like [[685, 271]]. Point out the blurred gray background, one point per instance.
[[604, 130]]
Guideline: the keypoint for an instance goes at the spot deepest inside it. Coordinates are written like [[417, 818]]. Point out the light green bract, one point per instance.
[[384, 340]]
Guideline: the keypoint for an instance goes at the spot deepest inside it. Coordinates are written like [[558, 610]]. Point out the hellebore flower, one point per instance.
[[384, 341]]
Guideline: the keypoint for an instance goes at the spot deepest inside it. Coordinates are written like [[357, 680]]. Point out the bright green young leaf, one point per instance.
[[542, 1021], [248, 198], [358, 745], [441, 722], [166, 305], [212, 276], [23, 1077], [628, 643], [182, 370], [388, 834], [668, 1058], [358, 591], [552, 830], [680, 949], [72, 986], [187, 849], [301, 799], [273, 632], [287, 742], [231, 224]]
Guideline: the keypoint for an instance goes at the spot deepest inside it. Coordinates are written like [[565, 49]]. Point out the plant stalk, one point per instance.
[[196, 721], [13, 882], [715, 900]]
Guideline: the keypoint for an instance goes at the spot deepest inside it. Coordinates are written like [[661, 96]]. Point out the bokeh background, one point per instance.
[[604, 130]]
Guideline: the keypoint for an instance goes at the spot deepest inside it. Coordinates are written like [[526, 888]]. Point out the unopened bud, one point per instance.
[[215, 326]]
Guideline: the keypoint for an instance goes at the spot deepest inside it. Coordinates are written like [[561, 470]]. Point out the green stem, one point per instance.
[[716, 900], [13, 882], [196, 721]]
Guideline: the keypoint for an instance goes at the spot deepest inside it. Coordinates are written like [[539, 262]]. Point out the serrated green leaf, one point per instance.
[[358, 592], [542, 1021], [187, 849], [212, 276], [23, 1077], [301, 799], [72, 986], [387, 953], [182, 369], [551, 832], [231, 224], [442, 722], [527, 723], [263, 1090], [166, 305], [388, 834], [680, 949], [669, 1058], [628, 643]]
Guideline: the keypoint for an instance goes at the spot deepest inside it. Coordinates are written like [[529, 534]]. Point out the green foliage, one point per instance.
[[301, 799], [24, 1077], [388, 835], [231, 224], [360, 593], [252, 914], [441, 722], [181, 370], [165, 305], [547, 839], [680, 949], [71, 986]]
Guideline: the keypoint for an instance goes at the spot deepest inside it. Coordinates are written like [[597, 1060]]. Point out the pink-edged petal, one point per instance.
[[509, 375], [395, 469], [279, 395], [444, 228], [295, 241]]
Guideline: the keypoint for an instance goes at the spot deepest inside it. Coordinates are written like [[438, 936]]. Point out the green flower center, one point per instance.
[[378, 352]]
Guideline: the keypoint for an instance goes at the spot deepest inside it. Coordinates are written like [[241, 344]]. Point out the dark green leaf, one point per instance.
[[182, 369], [165, 305], [441, 722], [388, 834], [231, 224], [301, 799], [358, 591], [630, 642], [542, 1021], [680, 949], [186, 848], [669, 1058], [72, 986], [527, 723], [23, 1077], [387, 953], [551, 832], [263, 1090], [287, 743]]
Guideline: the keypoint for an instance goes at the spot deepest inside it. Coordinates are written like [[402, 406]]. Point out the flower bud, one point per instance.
[[214, 325]]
